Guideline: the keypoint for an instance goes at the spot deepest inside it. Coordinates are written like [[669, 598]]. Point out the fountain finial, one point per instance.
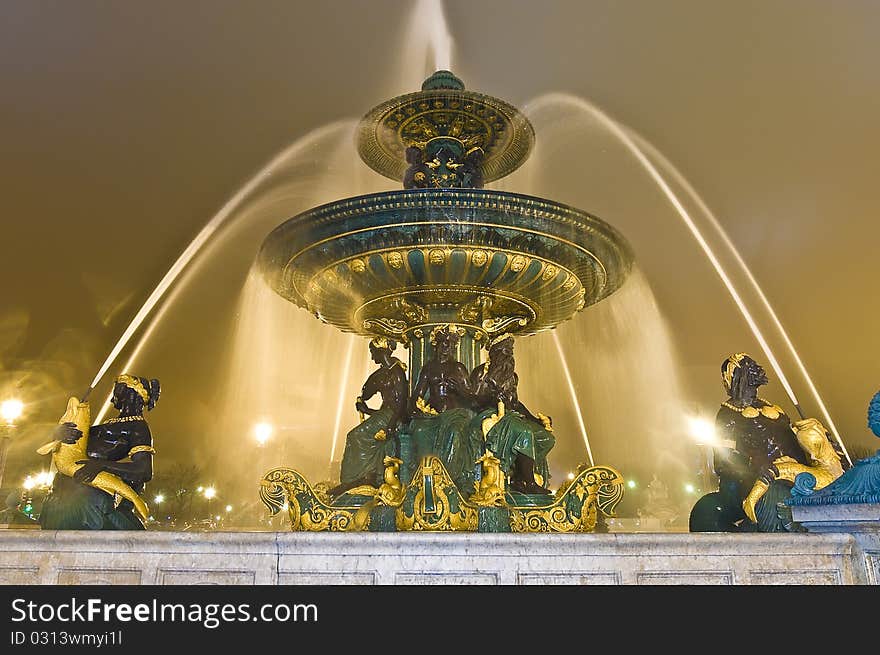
[[443, 79]]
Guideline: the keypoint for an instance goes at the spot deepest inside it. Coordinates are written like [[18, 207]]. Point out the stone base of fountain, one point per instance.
[[300, 558]]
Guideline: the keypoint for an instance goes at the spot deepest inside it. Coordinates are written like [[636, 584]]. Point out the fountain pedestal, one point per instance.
[[429, 501], [446, 254]]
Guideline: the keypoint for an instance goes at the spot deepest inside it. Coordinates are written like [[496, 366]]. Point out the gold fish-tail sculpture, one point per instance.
[[65, 457], [825, 463]]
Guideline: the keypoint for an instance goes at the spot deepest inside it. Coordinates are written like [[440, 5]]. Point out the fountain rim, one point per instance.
[[617, 235], [594, 240]]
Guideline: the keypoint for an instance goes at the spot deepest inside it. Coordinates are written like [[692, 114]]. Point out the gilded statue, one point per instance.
[[444, 162], [418, 174], [757, 474], [102, 469], [392, 491], [825, 463], [441, 411], [492, 483]]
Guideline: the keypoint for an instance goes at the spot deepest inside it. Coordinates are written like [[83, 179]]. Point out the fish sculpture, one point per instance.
[[65, 457]]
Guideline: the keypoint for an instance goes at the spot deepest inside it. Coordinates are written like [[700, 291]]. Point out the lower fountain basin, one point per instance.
[[388, 263]]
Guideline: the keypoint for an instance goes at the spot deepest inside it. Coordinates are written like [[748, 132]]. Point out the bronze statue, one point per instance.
[[757, 474], [472, 171], [519, 439], [445, 166], [760, 429], [119, 448], [441, 411], [443, 380], [365, 445], [444, 162], [418, 175]]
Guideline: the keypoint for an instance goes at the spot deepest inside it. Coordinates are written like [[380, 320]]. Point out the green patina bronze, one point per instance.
[[445, 111], [363, 458], [444, 253], [448, 436], [516, 434]]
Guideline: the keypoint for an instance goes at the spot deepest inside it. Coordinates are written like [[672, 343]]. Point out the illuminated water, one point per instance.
[[569, 117], [624, 373], [427, 40], [670, 171], [572, 392], [291, 179], [427, 45]]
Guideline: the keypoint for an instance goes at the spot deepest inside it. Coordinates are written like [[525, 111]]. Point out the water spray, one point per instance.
[[682, 181], [574, 398], [629, 141]]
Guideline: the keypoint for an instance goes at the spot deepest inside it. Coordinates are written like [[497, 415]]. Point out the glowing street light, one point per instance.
[[158, 499], [262, 432], [702, 430], [631, 484], [41, 480], [689, 488], [11, 410], [571, 476], [210, 492], [229, 508]]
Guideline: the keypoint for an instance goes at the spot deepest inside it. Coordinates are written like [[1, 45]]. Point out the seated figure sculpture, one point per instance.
[[519, 439], [754, 476], [441, 411], [365, 445], [417, 175], [445, 165], [472, 172], [122, 446], [444, 162]]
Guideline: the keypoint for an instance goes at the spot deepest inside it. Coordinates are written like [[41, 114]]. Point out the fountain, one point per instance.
[[444, 255], [450, 271]]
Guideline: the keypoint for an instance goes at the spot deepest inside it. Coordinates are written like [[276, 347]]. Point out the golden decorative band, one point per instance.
[[380, 342], [499, 339], [141, 449], [452, 328], [733, 363], [135, 384]]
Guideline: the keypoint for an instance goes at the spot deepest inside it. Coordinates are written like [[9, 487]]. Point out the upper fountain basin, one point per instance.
[[444, 109]]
